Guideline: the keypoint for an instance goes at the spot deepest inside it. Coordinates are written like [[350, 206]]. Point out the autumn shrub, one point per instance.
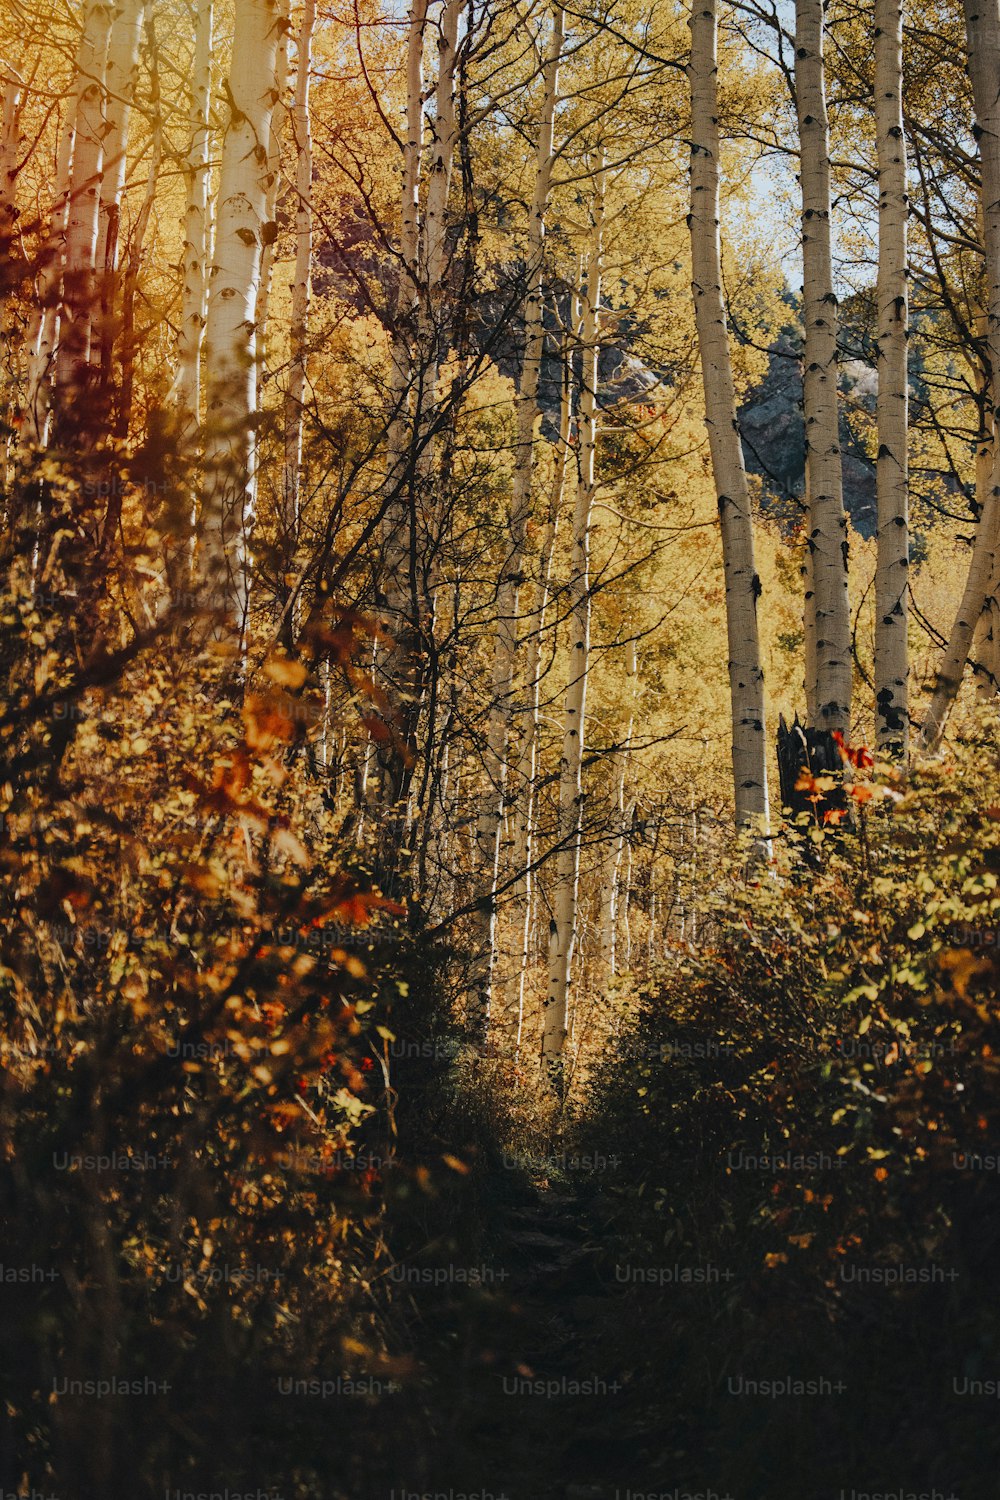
[[188, 1034], [808, 1107]]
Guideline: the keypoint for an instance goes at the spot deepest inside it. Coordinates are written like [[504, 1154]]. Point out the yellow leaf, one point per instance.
[[291, 674], [286, 841]]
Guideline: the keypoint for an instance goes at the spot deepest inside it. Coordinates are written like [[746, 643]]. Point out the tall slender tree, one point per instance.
[[564, 924], [12, 85], [301, 277], [746, 675], [194, 256], [982, 29], [524, 888], [892, 717], [827, 521], [230, 333], [529, 419], [120, 81], [84, 198]]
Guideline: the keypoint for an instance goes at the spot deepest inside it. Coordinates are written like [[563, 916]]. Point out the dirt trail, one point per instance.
[[533, 1409]]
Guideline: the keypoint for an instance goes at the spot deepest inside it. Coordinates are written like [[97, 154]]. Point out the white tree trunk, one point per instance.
[[85, 188], [194, 294], [301, 281], [808, 618], [227, 515], [120, 82], [892, 722], [986, 642], [406, 293], [982, 28], [508, 590], [440, 150], [622, 816], [746, 676], [44, 325], [565, 897], [269, 233], [398, 661], [523, 812], [625, 905], [10, 151], [123, 60], [827, 522]]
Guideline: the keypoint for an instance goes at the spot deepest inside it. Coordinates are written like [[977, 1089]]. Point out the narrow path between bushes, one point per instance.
[[526, 1388]]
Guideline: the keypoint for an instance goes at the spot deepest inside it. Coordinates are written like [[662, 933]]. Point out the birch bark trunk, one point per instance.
[[120, 80], [85, 187], [610, 896], [45, 319], [523, 891], [194, 294], [982, 29], [565, 904], [269, 230], [10, 150], [227, 515], [827, 521], [301, 283], [398, 663], [808, 619], [44, 328], [746, 676], [892, 720], [986, 641], [508, 591]]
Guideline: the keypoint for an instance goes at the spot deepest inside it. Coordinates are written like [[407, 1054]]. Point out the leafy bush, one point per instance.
[[185, 1035], [809, 1105]]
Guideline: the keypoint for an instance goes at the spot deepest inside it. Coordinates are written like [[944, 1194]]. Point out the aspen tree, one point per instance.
[[230, 333], [563, 928], [120, 80], [746, 676], [44, 326], [523, 891], [418, 343], [406, 291], [194, 258], [508, 592], [611, 903], [892, 563], [396, 663], [986, 645], [808, 618], [301, 279], [440, 152], [827, 521], [982, 29], [269, 232], [10, 150], [84, 197], [137, 240]]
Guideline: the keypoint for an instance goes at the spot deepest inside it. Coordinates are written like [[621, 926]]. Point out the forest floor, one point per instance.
[[519, 1388], [569, 1372]]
